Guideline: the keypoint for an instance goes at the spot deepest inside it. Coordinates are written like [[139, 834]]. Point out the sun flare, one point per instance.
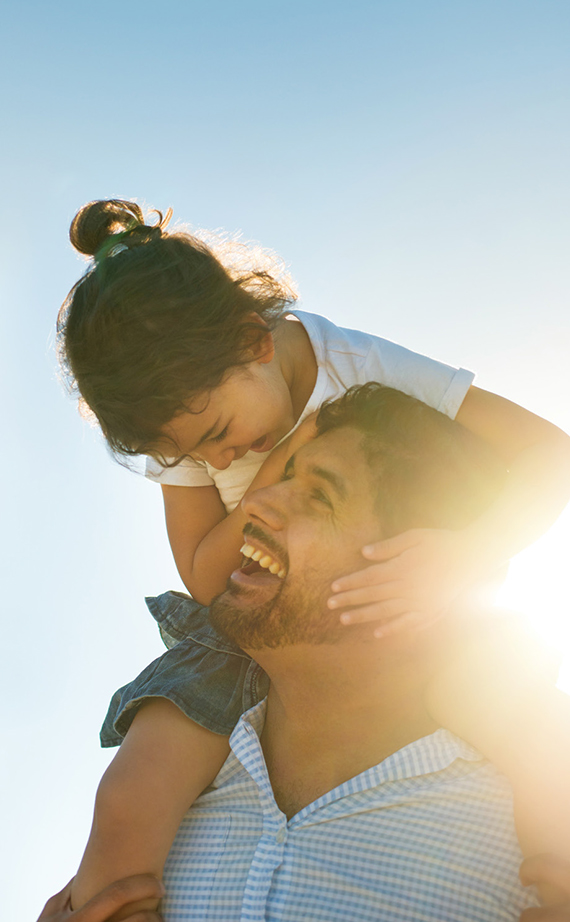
[[538, 586]]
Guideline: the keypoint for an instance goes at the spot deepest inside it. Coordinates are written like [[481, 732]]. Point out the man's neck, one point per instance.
[[332, 713]]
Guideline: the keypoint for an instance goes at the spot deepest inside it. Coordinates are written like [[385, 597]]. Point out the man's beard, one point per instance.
[[289, 617]]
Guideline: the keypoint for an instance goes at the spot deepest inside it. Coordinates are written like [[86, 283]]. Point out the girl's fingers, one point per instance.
[[394, 615], [546, 869], [370, 576], [410, 621], [390, 547], [377, 611], [552, 874], [547, 914], [363, 596], [117, 895], [144, 915], [59, 903]]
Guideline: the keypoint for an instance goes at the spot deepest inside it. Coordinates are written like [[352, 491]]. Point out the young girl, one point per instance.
[[193, 357]]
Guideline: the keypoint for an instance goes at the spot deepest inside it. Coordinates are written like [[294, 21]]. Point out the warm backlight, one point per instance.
[[538, 585]]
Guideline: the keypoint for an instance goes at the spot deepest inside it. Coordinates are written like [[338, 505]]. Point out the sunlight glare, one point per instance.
[[537, 586]]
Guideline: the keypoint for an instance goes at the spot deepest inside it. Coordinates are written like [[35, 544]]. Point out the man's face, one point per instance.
[[313, 524]]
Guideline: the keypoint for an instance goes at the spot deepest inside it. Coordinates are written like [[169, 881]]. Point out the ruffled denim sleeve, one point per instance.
[[209, 678]]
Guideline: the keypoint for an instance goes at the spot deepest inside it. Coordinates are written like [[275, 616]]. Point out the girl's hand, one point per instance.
[[416, 576], [552, 875], [110, 904]]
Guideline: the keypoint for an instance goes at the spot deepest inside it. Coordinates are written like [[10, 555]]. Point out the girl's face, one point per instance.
[[251, 410]]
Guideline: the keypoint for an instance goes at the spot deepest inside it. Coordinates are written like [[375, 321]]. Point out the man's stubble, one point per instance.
[[294, 615]]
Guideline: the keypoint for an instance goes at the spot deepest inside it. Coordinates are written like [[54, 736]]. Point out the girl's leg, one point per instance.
[[165, 761]]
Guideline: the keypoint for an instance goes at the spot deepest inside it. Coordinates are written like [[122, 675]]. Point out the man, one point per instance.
[[113, 902], [341, 799]]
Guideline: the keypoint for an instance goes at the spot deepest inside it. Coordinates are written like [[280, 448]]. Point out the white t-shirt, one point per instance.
[[344, 357]]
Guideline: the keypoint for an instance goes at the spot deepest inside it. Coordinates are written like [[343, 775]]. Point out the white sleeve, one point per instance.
[[188, 473], [440, 386]]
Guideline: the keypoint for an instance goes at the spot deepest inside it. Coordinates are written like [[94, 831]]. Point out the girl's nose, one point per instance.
[[219, 459], [239, 451], [224, 457]]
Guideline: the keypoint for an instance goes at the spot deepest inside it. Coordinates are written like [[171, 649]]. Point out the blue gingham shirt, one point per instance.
[[426, 835]]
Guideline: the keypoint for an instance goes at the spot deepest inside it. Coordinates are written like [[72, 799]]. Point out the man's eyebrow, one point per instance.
[[335, 481]]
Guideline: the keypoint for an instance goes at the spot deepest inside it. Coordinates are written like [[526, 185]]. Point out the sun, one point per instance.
[[538, 585]]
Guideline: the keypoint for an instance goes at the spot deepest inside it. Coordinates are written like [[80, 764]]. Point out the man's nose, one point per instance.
[[267, 505]]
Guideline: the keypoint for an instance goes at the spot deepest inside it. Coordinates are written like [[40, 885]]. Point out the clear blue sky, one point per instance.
[[409, 160]]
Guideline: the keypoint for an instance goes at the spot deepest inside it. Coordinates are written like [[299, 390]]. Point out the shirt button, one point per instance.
[[281, 835]]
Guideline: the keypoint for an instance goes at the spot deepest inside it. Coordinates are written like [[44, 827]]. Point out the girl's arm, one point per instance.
[[499, 694], [105, 906], [537, 455], [193, 515], [205, 541], [420, 572], [165, 761]]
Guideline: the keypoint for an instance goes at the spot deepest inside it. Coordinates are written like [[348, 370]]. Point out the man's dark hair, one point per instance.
[[431, 472]]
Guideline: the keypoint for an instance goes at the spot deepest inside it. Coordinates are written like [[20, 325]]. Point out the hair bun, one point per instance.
[[97, 221]]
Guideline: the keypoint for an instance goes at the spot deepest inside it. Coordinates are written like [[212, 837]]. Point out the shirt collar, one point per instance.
[[424, 756]]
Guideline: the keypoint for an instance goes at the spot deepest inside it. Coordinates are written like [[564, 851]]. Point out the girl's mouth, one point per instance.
[[262, 444]]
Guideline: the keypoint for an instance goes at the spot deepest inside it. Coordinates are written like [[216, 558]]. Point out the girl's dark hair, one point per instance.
[[159, 318]]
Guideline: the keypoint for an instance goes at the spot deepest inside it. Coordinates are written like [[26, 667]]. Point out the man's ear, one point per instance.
[[258, 343]]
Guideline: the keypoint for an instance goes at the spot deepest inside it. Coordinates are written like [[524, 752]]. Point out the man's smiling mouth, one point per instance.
[[260, 558]]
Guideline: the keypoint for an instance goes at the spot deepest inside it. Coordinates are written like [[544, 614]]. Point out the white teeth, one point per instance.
[[264, 560]]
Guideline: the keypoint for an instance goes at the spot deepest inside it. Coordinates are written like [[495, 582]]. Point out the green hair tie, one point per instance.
[[114, 244]]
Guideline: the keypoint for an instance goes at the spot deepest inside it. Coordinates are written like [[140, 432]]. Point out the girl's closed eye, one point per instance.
[[220, 436]]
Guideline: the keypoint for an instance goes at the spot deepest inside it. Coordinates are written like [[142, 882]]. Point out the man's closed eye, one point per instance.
[[321, 497]]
